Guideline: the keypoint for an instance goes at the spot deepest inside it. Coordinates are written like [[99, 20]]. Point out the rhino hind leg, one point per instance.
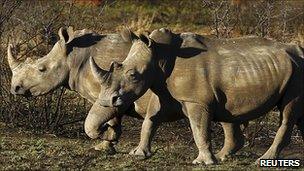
[[290, 111], [200, 119], [234, 140]]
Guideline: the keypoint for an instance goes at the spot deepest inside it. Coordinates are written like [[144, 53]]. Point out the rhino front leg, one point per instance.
[[200, 120], [95, 125], [148, 129], [110, 136], [234, 140], [147, 132]]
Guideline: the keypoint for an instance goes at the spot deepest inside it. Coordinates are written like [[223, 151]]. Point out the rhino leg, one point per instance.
[[148, 129], [234, 140], [200, 120], [110, 136], [147, 132], [290, 111], [111, 132]]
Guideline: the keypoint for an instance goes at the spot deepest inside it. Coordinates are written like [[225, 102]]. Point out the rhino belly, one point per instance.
[[242, 105]]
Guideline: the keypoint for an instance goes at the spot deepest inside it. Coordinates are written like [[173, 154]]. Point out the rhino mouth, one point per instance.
[[118, 101], [36, 91], [26, 94]]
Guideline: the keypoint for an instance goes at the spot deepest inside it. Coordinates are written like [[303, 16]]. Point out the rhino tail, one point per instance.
[[300, 122], [300, 125]]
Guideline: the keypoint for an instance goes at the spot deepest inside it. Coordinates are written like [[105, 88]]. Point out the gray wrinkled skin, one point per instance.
[[229, 80], [67, 65]]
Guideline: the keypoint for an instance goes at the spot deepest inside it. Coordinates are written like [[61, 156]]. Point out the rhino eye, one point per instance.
[[41, 68], [133, 76]]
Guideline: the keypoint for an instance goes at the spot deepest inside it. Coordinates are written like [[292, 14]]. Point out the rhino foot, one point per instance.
[[270, 154], [221, 156], [105, 146], [224, 154], [199, 161], [227, 152], [265, 156], [141, 152], [202, 159]]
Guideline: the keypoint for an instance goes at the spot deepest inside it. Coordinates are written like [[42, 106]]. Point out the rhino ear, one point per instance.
[[146, 40], [127, 35], [66, 34], [146, 32], [98, 72]]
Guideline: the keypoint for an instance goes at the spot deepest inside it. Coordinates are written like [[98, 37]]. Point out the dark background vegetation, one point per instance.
[[32, 27]]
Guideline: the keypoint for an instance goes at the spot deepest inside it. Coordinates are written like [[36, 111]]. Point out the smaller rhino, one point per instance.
[[230, 80]]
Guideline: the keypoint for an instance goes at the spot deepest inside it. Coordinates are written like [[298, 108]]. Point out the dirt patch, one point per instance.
[[173, 148]]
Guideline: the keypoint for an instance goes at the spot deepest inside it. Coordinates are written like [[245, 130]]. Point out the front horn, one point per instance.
[[98, 72], [13, 62]]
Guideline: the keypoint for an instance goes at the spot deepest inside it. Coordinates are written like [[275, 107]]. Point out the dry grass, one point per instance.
[[173, 149]]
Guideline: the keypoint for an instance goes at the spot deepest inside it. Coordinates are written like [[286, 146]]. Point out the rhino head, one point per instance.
[[125, 82], [38, 77]]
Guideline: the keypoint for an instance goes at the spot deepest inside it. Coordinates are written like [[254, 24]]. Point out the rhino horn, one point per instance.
[[97, 71], [13, 62]]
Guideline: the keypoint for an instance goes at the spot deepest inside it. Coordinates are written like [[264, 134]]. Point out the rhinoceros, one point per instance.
[[230, 80], [67, 65]]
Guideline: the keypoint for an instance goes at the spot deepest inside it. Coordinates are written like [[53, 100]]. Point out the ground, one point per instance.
[[173, 148]]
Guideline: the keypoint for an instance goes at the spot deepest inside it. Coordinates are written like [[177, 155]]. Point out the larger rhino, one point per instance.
[[67, 65], [232, 80]]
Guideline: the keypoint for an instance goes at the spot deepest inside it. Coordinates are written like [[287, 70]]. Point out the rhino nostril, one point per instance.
[[117, 101], [17, 88], [114, 99]]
